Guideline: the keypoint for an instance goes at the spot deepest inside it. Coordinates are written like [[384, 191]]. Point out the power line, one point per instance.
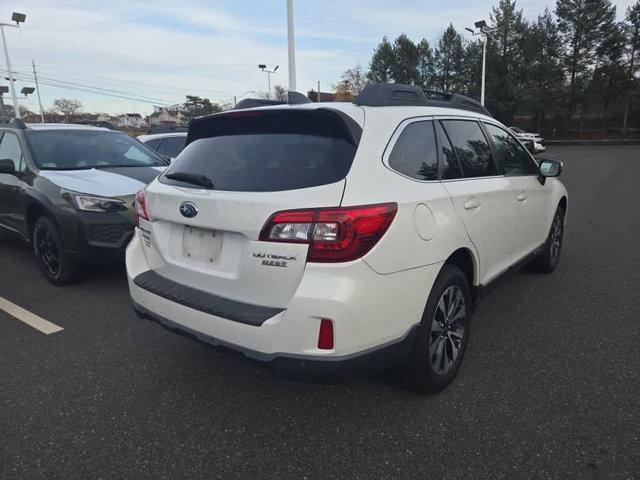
[[89, 89], [83, 85]]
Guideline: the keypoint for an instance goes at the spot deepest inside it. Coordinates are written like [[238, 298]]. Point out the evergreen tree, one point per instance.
[[404, 68], [632, 32], [381, 62], [426, 67], [541, 55], [582, 24], [472, 69], [449, 61]]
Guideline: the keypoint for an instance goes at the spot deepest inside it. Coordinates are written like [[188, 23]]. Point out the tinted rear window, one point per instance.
[[266, 151]]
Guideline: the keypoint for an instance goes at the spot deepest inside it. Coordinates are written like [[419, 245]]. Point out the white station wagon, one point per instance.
[[345, 238]]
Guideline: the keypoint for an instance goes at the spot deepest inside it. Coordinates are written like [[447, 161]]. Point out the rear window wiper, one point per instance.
[[193, 178]]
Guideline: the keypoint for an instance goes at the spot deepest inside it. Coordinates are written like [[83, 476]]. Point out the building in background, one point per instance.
[[167, 116], [131, 120]]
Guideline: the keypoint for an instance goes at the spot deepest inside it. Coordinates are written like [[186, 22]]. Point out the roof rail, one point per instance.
[[295, 98], [397, 94], [16, 122]]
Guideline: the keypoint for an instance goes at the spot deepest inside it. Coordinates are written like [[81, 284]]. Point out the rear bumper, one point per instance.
[[374, 316], [308, 367]]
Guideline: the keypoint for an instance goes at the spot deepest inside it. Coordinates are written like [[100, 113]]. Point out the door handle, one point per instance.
[[522, 196], [471, 204]]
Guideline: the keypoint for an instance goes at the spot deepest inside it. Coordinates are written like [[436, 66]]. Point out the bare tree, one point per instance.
[[67, 106], [352, 81], [280, 93]]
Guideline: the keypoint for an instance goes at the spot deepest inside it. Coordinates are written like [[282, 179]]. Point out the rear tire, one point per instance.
[[441, 339], [547, 260], [56, 266]]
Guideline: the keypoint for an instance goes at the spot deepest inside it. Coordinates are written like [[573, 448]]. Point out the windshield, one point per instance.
[[84, 149]]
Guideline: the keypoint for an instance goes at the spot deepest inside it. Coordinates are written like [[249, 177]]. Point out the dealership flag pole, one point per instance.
[[292, 48]]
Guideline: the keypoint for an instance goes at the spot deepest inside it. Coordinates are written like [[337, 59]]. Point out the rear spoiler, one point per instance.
[[295, 98]]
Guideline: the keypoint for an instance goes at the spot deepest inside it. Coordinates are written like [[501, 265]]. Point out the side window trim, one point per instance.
[[440, 160], [510, 133], [494, 151], [489, 143], [394, 139]]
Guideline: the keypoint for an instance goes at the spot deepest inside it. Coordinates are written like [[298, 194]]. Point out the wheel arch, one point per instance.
[[465, 260], [35, 210]]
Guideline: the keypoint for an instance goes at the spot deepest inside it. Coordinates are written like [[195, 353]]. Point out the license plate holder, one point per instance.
[[200, 245]]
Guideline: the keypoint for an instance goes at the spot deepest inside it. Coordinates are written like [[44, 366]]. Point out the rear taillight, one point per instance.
[[140, 206], [337, 234]]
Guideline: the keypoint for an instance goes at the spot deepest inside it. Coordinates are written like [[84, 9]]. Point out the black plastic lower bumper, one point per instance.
[[305, 367], [101, 237]]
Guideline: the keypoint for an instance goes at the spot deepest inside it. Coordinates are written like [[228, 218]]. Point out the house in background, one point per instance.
[[169, 116], [131, 120]]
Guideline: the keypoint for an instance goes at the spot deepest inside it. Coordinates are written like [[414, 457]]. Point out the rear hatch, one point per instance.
[[204, 233]]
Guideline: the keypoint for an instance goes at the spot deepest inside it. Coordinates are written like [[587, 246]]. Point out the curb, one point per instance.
[[628, 141]]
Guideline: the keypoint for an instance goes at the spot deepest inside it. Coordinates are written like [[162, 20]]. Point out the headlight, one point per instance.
[[99, 204]]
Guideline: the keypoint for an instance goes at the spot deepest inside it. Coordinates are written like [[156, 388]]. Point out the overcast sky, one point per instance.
[[167, 49]]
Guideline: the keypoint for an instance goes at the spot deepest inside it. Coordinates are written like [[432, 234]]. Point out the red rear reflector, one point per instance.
[[337, 234], [140, 206], [325, 335]]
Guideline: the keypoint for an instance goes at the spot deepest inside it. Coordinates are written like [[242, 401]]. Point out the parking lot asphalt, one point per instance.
[[550, 386]]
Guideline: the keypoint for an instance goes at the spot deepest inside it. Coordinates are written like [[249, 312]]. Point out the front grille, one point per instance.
[[107, 234]]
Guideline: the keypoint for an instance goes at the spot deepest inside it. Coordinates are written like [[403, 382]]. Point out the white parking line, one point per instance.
[[29, 318]]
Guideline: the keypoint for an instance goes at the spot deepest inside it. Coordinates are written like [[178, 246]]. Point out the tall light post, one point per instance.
[[263, 67], [18, 18], [484, 31], [291, 47]]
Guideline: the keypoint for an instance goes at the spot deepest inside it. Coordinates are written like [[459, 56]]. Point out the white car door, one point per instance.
[[533, 199], [483, 198]]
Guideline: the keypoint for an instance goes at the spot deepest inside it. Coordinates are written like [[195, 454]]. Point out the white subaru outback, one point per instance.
[[343, 238]]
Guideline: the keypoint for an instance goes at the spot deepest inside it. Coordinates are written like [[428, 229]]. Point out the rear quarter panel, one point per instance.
[[424, 206]]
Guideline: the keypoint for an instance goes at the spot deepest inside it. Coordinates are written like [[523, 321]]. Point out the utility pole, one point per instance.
[[318, 96], [35, 77], [292, 47]]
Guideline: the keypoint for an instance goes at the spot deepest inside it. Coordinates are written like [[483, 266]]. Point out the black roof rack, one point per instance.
[[397, 94], [295, 98]]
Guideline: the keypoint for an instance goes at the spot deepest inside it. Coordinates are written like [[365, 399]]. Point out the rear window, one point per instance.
[[266, 151]]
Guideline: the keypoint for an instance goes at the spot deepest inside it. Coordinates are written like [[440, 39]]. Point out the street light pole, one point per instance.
[[483, 31], [484, 68], [263, 67], [11, 79]]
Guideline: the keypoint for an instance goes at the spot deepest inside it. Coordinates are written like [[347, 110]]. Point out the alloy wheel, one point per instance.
[[447, 330], [556, 238], [48, 252]]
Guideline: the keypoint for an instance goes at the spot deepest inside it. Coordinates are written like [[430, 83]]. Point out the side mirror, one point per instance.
[[7, 166], [548, 168]]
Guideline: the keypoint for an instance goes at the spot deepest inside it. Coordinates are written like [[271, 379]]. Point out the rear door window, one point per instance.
[[266, 151], [471, 148], [414, 153]]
